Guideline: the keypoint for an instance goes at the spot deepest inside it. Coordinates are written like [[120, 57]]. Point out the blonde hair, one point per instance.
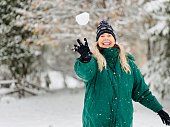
[[101, 61]]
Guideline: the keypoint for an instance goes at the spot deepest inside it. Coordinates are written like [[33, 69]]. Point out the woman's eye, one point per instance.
[[109, 35], [102, 36]]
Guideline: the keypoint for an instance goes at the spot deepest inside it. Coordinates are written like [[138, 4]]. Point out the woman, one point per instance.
[[112, 81]]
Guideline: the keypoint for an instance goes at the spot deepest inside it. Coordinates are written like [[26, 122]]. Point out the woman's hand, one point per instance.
[[83, 50], [164, 117]]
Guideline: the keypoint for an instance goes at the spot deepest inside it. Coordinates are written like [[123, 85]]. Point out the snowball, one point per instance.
[[83, 18]]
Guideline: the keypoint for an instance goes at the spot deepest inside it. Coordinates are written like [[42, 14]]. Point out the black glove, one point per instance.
[[83, 50], [164, 117]]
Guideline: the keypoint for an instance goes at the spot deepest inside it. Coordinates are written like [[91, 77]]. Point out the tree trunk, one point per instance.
[[149, 50]]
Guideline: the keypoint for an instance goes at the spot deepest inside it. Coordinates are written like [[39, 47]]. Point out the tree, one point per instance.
[[14, 52], [157, 26]]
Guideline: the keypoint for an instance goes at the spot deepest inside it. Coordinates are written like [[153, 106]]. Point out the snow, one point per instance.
[[56, 79], [62, 108], [73, 83], [158, 10], [155, 5], [160, 26]]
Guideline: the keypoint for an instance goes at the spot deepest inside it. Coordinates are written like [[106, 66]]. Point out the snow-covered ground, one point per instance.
[[62, 108]]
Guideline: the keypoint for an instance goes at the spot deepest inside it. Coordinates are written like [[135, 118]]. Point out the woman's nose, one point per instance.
[[105, 38]]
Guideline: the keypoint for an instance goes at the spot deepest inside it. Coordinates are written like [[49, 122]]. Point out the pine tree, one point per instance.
[[158, 25], [13, 51]]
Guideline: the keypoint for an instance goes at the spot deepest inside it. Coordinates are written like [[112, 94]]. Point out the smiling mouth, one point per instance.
[[107, 43]]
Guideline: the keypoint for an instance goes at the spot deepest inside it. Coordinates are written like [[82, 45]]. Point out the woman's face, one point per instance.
[[106, 40]]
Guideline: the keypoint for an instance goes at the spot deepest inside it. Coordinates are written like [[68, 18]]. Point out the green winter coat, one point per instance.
[[109, 94]]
